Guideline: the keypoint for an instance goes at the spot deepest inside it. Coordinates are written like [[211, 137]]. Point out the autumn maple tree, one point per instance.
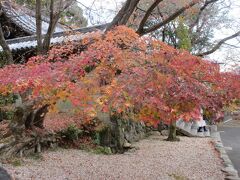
[[121, 73]]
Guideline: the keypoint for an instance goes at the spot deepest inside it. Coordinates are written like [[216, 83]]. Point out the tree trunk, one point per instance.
[[54, 17], [48, 36], [39, 26], [124, 14], [55, 12], [172, 136], [6, 50], [27, 132], [130, 5]]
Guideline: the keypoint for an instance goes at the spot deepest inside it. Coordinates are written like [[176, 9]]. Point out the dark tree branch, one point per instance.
[[218, 45], [6, 50], [54, 18], [146, 16], [206, 4], [170, 18], [233, 46], [124, 14], [39, 26]]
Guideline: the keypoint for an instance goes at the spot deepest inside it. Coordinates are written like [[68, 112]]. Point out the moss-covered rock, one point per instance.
[[116, 131]]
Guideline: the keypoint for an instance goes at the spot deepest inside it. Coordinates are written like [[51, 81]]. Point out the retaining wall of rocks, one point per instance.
[[118, 133]]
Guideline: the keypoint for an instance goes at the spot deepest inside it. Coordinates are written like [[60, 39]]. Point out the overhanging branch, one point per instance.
[[219, 44], [146, 16], [170, 18]]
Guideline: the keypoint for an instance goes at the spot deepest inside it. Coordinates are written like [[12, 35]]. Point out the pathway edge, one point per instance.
[[229, 170]]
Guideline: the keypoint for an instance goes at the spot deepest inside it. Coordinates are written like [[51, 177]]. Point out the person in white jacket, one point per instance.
[[201, 123]]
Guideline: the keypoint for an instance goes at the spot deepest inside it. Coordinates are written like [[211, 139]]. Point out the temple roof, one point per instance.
[[25, 18], [30, 42]]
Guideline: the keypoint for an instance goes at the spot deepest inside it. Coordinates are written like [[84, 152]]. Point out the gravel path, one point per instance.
[[4, 175], [191, 158]]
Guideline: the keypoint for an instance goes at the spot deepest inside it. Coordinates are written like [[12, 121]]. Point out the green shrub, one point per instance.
[[16, 162], [8, 99], [97, 138], [102, 150], [72, 133], [9, 115]]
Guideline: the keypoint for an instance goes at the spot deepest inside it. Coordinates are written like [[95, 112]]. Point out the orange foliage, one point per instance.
[[123, 73]]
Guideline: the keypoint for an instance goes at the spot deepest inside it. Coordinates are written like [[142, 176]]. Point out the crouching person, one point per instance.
[[202, 126]]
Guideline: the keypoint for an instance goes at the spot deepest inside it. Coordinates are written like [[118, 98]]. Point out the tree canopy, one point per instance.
[[201, 19], [120, 72]]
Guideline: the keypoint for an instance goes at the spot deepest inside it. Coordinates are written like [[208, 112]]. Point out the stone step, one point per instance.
[[195, 124], [200, 134], [181, 125], [194, 128], [178, 122], [194, 132], [191, 129], [188, 126], [213, 128], [207, 133]]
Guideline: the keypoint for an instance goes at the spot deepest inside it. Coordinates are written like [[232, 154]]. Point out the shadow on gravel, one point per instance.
[[4, 175]]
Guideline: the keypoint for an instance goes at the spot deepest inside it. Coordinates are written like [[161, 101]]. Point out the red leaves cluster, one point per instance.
[[121, 72]]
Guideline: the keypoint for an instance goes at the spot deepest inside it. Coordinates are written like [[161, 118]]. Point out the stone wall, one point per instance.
[[236, 115], [118, 133]]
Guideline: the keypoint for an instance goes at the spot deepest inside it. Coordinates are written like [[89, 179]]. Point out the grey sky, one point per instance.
[[100, 11]]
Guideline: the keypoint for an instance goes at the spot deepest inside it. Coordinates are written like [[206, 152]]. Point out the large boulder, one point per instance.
[[118, 133]]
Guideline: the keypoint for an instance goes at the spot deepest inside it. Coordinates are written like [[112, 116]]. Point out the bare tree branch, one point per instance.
[[219, 44], [170, 18], [146, 16], [206, 4]]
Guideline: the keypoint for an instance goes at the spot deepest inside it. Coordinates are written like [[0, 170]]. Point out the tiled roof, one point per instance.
[[25, 19], [59, 37]]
